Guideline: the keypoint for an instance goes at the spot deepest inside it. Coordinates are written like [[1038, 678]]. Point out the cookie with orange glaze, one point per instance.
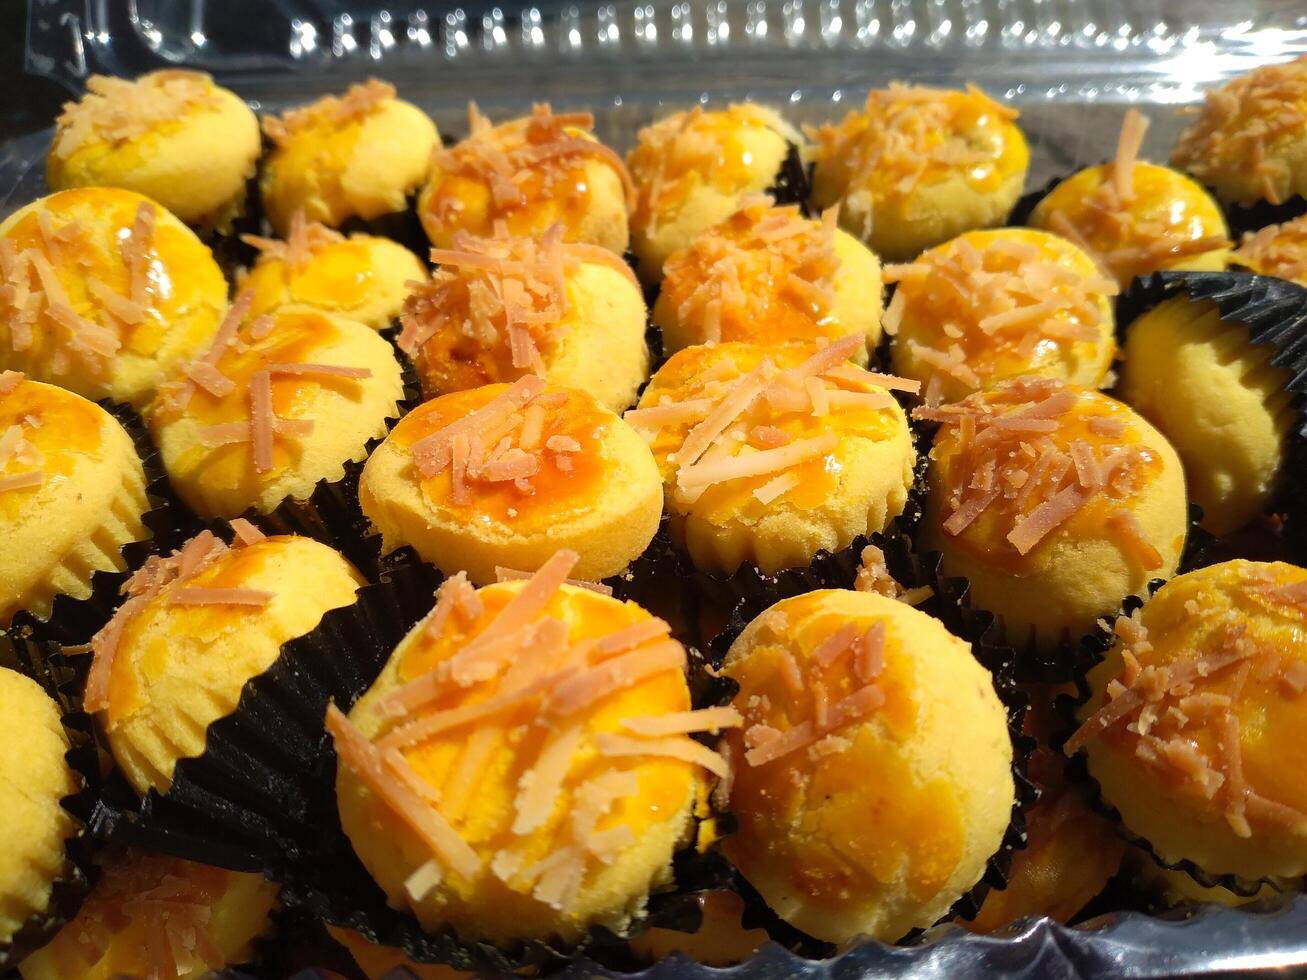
[[522, 768], [504, 476], [692, 169], [998, 304], [871, 777], [172, 135], [195, 626], [72, 494], [1136, 217], [362, 277], [1055, 502], [1189, 713], [149, 915], [1276, 250], [772, 453], [917, 166], [358, 155], [768, 275], [277, 404], [497, 309], [1248, 141], [525, 176], [106, 293]]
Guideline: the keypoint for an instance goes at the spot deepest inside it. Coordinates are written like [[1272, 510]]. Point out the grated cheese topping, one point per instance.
[[686, 149], [1024, 458], [118, 110], [521, 162], [1138, 217], [514, 665], [331, 112], [983, 303], [16, 449], [1245, 128], [1277, 250], [304, 240], [167, 577], [493, 307], [720, 425], [909, 135], [764, 273], [1179, 709], [33, 298]]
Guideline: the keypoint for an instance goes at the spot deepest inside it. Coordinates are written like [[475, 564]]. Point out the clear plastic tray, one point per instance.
[[1069, 65]]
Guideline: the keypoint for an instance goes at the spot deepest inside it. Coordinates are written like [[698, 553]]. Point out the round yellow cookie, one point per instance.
[[766, 275], [72, 494], [198, 626], [997, 304], [692, 168], [33, 779], [155, 916], [354, 156], [525, 176], [280, 403], [1217, 399], [172, 135], [498, 309], [1189, 715], [109, 293], [1249, 141], [872, 777], [917, 166], [770, 454], [1055, 502], [590, 483], [363, 277], [495, 781]]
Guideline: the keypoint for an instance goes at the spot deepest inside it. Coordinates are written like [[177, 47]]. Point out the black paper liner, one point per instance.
[[793, 183], [1275, 313], [61, 680], [1095, 646], [946, 603], [331, 513], [74, 621], [1243, 218]]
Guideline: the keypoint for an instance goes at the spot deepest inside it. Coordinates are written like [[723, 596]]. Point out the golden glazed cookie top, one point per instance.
[[104, 291], [1246, 135], [46, 435], [526, 175], [908, 136], [698, 147], [116, 111], [996, 304], [1034, 459], [1204, 690], [495, 308], [518, 454], [531, 734], [1132, 216], [737, 427], [765, 275], [364, 277]]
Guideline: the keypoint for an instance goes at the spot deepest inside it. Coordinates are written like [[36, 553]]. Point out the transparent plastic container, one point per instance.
[[1068, 65]]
